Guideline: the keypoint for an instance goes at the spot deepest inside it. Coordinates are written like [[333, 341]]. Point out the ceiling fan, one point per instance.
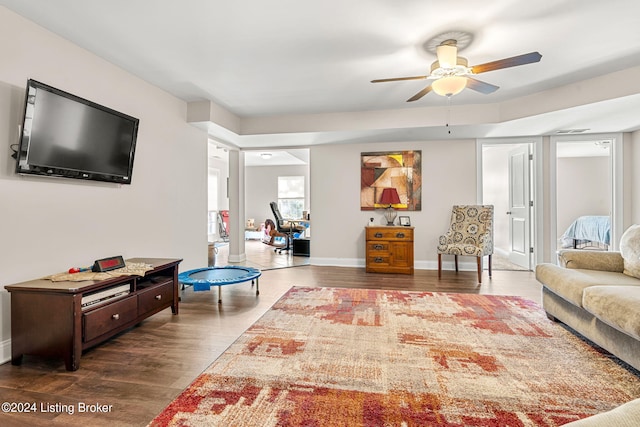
[[450, 74]]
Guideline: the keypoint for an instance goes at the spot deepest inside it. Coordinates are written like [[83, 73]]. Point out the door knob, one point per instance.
[[508, 212]]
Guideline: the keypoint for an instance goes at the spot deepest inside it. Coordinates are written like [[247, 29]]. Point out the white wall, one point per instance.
[[634, 178], [448, 176], [262, 188], [48, 225], [574, 175]]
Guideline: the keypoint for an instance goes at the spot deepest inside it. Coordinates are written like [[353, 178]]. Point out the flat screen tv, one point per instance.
[[64, 135]]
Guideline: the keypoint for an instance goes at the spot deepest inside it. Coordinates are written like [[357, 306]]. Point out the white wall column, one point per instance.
[[236, 206]]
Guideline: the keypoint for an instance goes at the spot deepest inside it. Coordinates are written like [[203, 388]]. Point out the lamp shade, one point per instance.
[[450, 85], [389, 197]]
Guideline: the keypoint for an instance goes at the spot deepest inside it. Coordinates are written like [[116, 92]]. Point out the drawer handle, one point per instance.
[[115, 316], [158, 297], [378, 247], [378, 235], [378, 259], [400, 235]]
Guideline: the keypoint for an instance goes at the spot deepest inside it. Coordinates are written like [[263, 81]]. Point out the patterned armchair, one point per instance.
[[470, 234]]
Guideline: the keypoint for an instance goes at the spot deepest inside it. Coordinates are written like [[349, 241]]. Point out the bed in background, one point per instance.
[[588, 232]]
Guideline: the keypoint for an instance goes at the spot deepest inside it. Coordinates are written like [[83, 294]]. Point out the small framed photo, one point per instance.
[[405, 221]]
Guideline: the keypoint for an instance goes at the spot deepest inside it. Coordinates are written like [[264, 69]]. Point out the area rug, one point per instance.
[[353, 357]]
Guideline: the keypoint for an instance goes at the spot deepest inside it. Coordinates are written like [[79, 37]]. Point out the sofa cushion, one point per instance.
[[630, 250], [609, 278], [617, 306], [570, 283], [626, 415], [564, 282]]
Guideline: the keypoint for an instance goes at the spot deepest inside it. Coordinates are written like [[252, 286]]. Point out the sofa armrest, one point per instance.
[[626, 415], [591, 260]]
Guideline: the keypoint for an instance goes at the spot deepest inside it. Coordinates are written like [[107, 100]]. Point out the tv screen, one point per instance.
[[64, 135]]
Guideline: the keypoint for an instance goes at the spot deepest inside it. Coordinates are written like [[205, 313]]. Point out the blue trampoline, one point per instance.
[[203, 278]]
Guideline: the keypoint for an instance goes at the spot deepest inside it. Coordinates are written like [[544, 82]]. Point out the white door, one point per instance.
[[519, 206]]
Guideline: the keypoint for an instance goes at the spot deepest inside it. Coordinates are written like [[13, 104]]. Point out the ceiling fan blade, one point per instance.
[[514, 61], [480, 86], [420, 94], [397, 79]]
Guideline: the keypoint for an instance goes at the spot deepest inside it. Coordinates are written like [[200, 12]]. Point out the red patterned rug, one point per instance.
[[353, 357]]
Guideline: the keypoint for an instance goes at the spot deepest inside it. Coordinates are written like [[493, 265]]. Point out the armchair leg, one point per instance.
[[479, 269], [439, 266], [455, 259]]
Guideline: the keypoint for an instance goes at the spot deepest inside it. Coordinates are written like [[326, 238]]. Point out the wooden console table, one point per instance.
[[48, 319], [389, 249]]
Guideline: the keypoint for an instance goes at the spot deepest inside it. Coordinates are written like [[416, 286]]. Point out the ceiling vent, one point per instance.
[[570, 131]]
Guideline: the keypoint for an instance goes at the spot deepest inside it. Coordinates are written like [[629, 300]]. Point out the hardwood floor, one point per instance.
[[137, 373], [260, 256]]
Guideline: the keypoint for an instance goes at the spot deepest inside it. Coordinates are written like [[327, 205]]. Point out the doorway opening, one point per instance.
[[262, 172], [585, 198], [507, 181]]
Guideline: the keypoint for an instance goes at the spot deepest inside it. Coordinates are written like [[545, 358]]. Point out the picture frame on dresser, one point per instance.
[[404, 221]]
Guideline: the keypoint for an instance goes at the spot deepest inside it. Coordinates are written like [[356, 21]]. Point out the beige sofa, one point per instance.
[[627, 415], [593, 293]]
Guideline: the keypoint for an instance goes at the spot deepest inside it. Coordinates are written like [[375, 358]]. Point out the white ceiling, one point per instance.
[[291, 157], [280, 71]]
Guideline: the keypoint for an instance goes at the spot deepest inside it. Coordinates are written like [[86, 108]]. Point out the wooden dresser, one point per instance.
[[389, 249]]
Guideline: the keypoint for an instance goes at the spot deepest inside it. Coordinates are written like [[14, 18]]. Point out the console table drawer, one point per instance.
[[155, 297], [105, 319]]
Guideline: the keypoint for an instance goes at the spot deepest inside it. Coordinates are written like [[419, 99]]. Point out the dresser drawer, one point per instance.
[[105, 319], [382, 260], [378, 246], [155, 297], [390, 233]]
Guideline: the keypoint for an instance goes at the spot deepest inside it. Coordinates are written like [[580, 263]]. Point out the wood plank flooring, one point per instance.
[[260, 256], [137, 373]]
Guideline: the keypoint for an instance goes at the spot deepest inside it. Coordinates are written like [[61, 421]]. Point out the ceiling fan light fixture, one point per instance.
[[447, 55], [438, 70], [450, 74], [449, 86]]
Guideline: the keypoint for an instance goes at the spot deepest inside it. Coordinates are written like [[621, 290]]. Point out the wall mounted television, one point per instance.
[[64, 135]]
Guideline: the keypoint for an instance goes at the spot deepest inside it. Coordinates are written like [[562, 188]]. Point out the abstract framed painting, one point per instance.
[[401, 170]]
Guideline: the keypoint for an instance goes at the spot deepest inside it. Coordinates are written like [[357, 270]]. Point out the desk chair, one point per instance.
[[288, 228]]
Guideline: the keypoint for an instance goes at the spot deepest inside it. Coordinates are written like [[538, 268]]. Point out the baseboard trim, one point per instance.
[[337, 262], [418, 265], [5, 351]]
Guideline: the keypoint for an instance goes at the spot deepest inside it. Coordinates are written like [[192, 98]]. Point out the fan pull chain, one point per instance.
[[448, 114]]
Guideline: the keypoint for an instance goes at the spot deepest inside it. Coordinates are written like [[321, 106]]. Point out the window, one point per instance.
[[291, 196]]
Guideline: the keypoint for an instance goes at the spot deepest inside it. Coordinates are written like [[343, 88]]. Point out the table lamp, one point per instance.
[[390, 197]]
